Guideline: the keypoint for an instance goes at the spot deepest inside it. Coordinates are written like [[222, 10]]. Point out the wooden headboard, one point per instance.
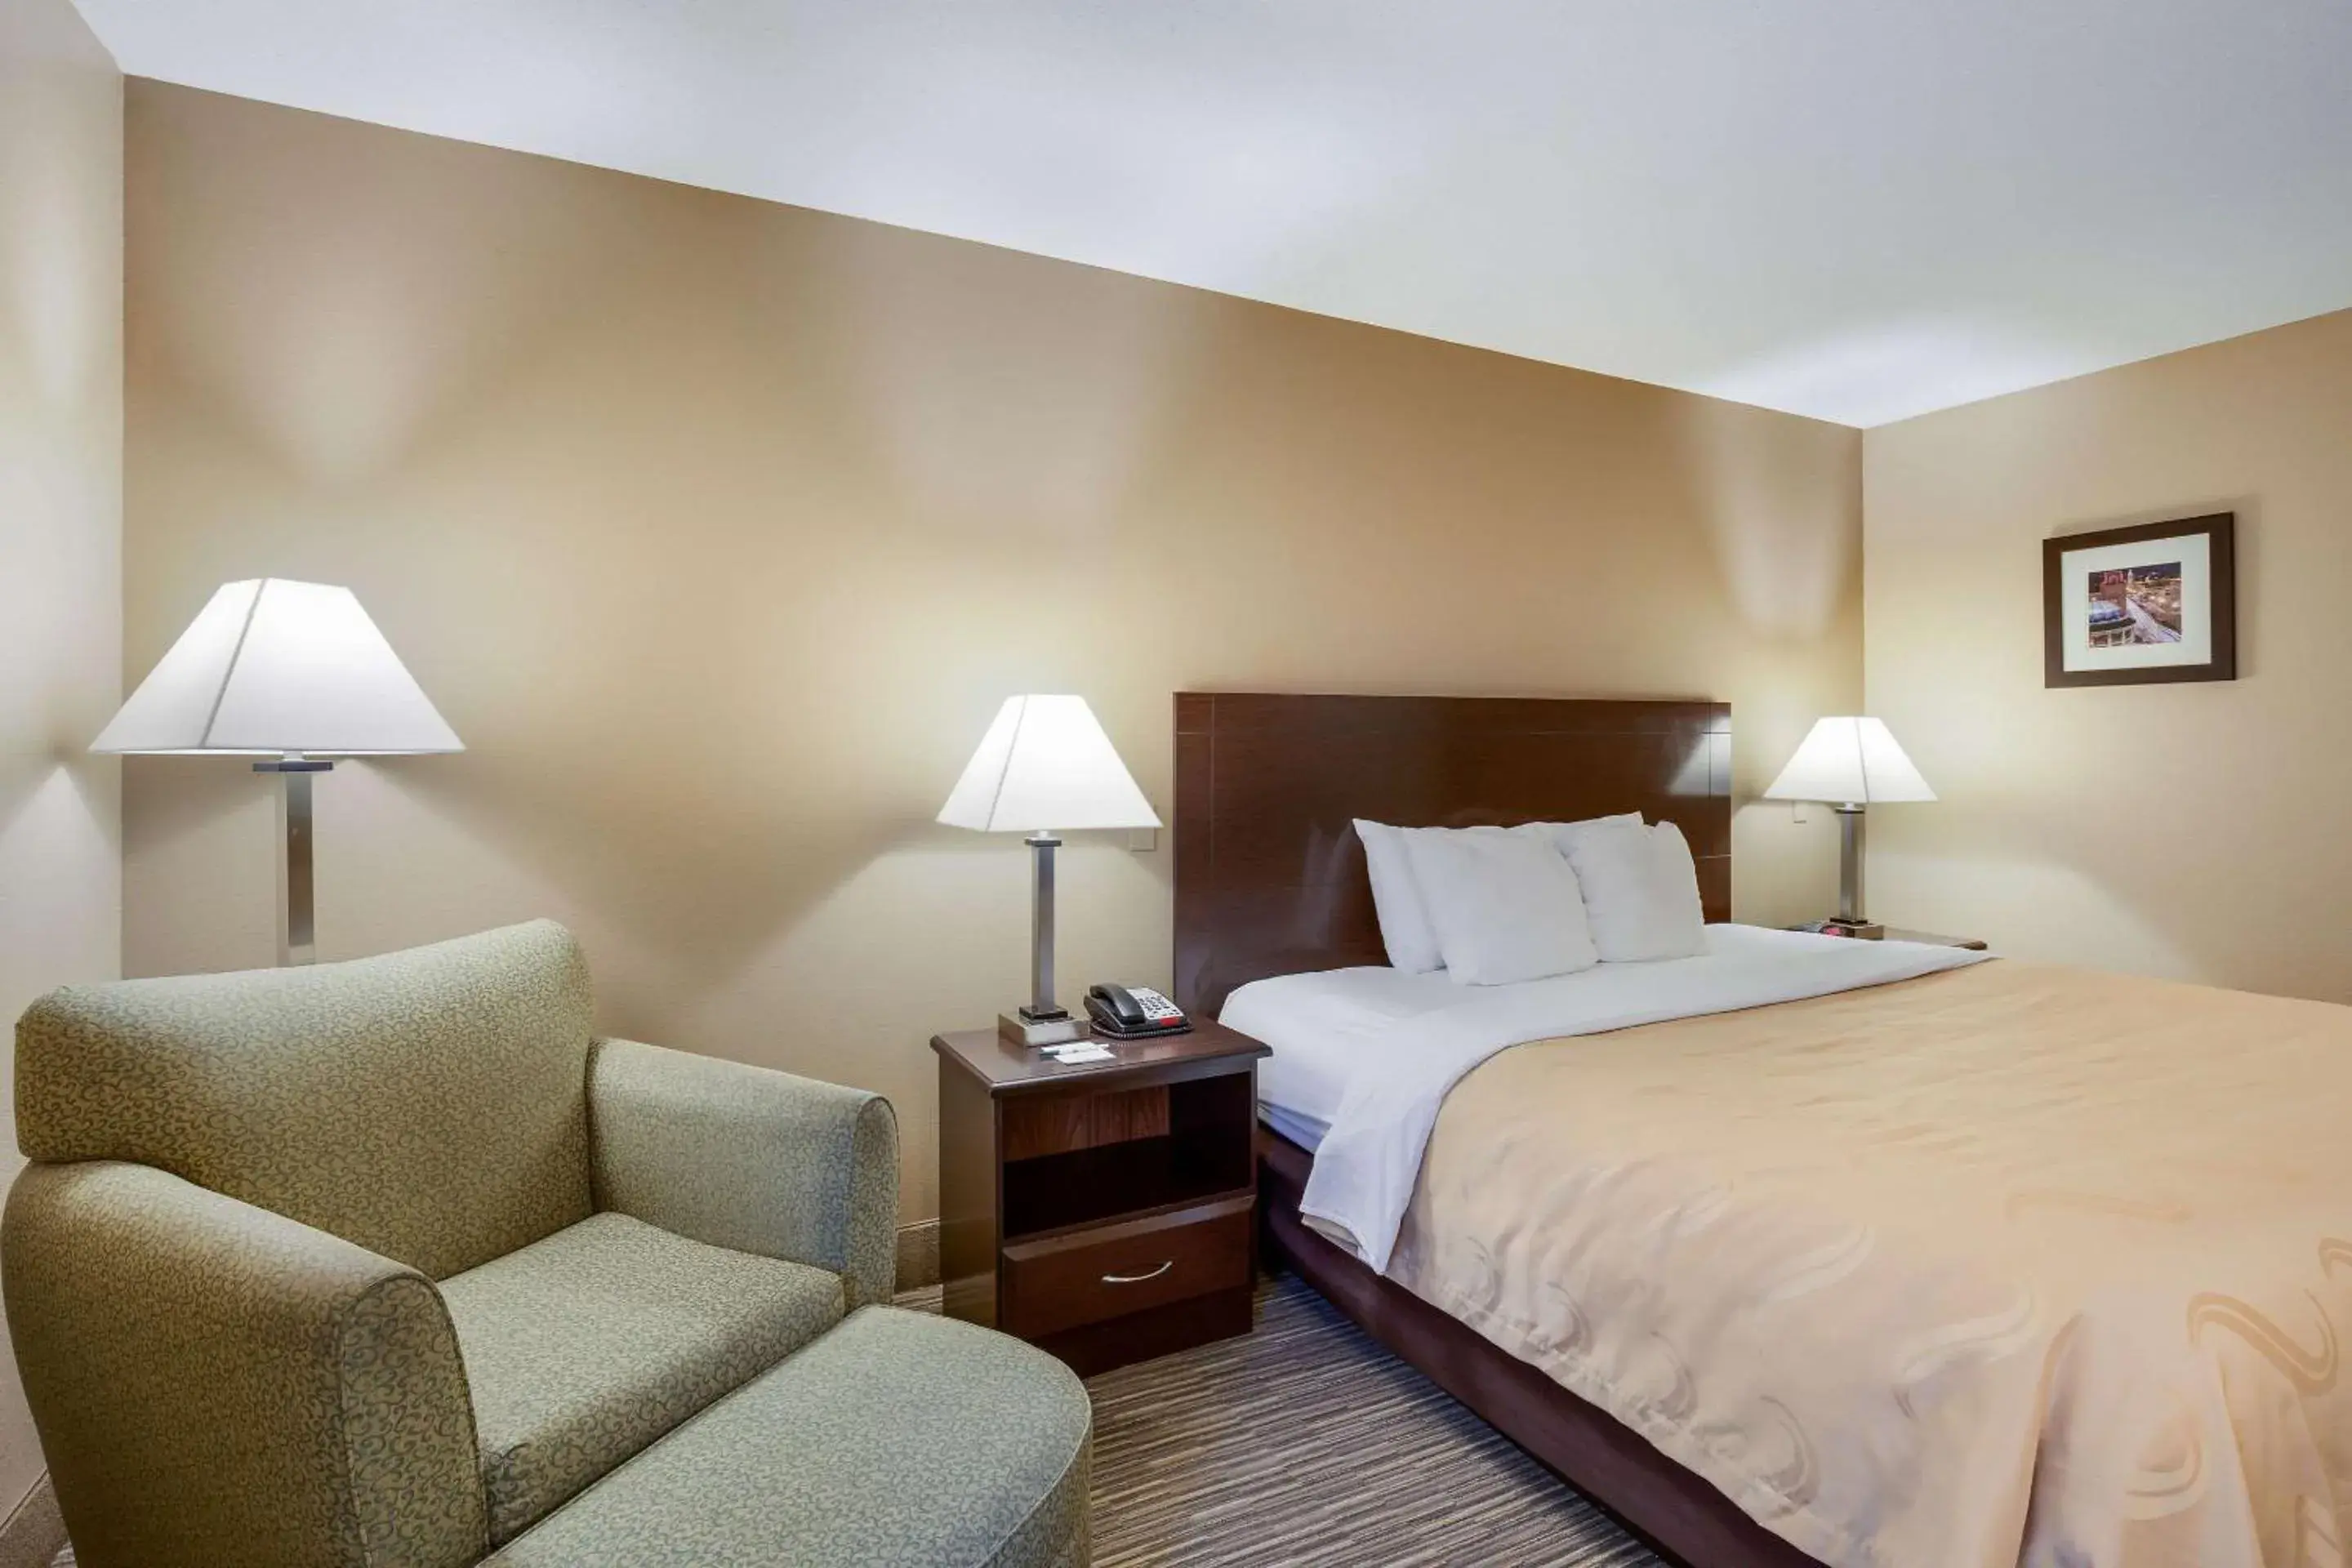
[[1269, 872]]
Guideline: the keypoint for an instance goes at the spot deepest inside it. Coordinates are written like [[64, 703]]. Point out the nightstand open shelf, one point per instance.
[[1105, 1211], [1200, 1151]]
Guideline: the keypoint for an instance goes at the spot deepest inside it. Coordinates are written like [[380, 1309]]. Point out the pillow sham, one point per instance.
[[1502, 902], [1640, 888], [1396, 900], [1397, 903]]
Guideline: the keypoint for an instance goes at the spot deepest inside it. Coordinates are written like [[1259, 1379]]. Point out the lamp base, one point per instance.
[[1869, 930], [1040, 1031]]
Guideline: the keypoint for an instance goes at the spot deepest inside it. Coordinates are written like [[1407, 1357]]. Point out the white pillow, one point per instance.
[[1567, 833], [1640, 890], [1405, 930], [1501, 901], [1396, 899]]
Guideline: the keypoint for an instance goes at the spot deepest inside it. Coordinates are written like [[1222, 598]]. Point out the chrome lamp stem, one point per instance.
[[297, 925], [1041, 1008], [1042, 1021], [1850, 913]]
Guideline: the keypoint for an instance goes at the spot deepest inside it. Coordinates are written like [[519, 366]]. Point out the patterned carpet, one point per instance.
[[1307, 1443]]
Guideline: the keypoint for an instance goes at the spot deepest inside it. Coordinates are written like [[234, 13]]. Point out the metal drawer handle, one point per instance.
[[1139, 1279]]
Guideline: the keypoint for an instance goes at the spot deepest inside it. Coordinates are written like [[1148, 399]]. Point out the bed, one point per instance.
[[1937, 1263]]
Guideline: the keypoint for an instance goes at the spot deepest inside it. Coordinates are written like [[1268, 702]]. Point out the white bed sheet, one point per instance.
[[1318, 1024], [1362, 1058]]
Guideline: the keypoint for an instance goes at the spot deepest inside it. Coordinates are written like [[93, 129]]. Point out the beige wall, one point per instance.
[[720, 529], [2188, 830], [60, 541]]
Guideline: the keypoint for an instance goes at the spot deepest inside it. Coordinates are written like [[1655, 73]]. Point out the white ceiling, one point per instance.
[[1857, 209]]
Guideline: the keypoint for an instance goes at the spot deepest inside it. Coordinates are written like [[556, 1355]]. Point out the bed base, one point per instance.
[[1679, 1513]]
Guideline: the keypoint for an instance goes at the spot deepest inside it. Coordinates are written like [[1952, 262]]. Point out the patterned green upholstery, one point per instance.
[[898, 1440], [429, 1105], [739, 1156], [216, 1384], [583, 1348], [220, 1277]]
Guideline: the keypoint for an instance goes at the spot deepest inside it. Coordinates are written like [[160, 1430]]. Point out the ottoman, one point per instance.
[[899, 1438]]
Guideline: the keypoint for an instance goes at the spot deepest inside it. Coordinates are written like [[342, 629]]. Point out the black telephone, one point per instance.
[[1133, 1013]]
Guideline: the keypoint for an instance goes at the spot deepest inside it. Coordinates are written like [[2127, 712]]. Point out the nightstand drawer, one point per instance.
[[1108, 1271]]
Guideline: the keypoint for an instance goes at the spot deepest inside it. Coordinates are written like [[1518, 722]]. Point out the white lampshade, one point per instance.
[[270, 666], [1850, 761], [1045, 765]]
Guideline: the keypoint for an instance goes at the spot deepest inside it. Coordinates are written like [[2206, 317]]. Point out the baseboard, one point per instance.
[[918, 1261], [35, 1533]]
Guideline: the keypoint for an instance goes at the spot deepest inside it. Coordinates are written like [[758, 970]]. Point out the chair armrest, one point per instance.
[[215, 1382], [745, 1157]]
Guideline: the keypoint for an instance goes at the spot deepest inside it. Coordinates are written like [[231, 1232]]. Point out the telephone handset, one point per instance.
[[1133, 1013]]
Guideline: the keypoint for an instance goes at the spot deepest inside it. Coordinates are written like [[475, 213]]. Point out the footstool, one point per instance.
[[899, 1438]]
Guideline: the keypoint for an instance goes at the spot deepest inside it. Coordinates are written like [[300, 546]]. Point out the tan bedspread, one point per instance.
[[2012, 1264]]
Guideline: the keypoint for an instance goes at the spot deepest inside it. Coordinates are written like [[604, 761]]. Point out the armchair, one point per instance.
[[384, 1263]]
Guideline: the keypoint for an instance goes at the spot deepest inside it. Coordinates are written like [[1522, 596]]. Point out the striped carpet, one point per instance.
[[1307, 1443]]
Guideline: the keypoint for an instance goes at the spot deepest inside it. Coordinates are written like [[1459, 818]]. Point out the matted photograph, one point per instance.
[[2131, 606], [2135, 605]]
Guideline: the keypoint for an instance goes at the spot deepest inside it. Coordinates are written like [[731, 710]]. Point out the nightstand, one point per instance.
[[1903, 933], [1106, 1211]]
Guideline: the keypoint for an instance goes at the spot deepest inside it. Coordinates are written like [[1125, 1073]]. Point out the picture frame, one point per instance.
[[2135, 606]]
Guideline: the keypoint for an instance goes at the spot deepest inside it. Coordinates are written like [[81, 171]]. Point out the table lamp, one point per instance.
[[1850, 765], [292, 671], [1044, 765]]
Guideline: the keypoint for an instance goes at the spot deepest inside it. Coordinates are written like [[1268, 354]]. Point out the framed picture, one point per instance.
[[2126, 606]]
